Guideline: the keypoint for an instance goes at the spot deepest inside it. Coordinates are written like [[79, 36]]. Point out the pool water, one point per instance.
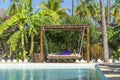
[[49, 74]]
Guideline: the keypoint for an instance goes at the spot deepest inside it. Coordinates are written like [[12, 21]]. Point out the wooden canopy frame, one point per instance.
[[64, 27]]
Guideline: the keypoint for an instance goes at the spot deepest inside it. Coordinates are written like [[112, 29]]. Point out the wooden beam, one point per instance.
[[41, 45], [64, 25], [88, 44], [65, 28]]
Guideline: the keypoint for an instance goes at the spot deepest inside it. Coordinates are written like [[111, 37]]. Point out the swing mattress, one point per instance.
[[63, 57]]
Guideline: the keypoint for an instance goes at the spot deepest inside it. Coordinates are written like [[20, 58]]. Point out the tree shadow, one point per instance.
[[113, 70]]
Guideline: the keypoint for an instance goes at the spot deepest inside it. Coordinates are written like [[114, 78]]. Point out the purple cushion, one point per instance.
[[66, 53]]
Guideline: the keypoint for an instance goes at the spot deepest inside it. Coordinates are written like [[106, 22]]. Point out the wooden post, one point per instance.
[[41, 45], [88, 44]]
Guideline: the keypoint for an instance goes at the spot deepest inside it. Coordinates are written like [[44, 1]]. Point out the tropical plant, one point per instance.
[[54, 5], [97, 52], [1, 21], [25, 22], [114, 37], [15, 7], [71, 20], [87, 9], [116, 54], [95, 35], [114, 33], [116, 10]]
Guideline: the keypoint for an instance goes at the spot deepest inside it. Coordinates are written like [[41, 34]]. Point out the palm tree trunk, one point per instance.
[[14, 7], [32, 47], [105, 41], [23, 48], [72, 7], [108, 10]]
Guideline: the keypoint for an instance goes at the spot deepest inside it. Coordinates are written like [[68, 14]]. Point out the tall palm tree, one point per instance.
[[108, 12], [105, 41], [87, 9]]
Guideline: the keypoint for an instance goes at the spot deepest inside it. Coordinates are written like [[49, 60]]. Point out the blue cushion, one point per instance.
[[66, 53]]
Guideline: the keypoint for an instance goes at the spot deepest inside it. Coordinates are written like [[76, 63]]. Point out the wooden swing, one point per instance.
[[64, 27]]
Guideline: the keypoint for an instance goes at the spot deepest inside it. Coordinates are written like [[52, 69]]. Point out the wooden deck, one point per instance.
[[111, 71]]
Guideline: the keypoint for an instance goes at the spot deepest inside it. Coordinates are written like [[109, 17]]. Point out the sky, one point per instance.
[[66, 4]]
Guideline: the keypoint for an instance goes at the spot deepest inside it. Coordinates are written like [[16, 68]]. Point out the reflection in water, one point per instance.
[[48, 74]]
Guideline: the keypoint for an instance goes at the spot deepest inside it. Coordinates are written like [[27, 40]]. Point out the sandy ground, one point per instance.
[[111, 71]]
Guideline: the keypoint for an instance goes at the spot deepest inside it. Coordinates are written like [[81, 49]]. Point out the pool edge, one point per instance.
[[100, 73]]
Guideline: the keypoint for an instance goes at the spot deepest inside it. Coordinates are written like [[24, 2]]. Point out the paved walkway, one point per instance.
[[111, 71]]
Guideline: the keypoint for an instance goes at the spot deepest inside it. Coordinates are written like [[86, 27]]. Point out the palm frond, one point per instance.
[[114, 33], [13, 40], [8, 23]]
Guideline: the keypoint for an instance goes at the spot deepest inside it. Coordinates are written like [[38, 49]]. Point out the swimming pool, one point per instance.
[[50, 72]]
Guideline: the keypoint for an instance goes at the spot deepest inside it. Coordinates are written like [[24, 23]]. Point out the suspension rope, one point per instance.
[[46, 45], [79, 42], [80, 47]]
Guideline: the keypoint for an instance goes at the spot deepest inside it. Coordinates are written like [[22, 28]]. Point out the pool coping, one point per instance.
[[45, 65]]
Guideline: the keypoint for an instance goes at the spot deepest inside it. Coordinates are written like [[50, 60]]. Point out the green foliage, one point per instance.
[[58, 41], [54, 5], [14, 7], [72, 20], [114, 33], [10, 22], [87, 9], [27, 7], [116, 11], [116, 54], [97, 52], [114, 38], [1, 21], [50, 16], [13, 41], [26, 26], [25, 23], [95, 35]]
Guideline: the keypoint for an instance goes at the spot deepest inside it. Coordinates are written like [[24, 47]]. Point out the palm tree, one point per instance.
[[116, 11], [54, 5], [16, 6], [87, 9], [25, 22], [105, 41]]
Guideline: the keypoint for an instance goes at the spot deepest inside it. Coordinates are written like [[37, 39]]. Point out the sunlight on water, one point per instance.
[[48, 74]]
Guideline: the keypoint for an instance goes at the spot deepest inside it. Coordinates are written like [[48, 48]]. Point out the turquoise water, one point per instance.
[[48, 74]]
